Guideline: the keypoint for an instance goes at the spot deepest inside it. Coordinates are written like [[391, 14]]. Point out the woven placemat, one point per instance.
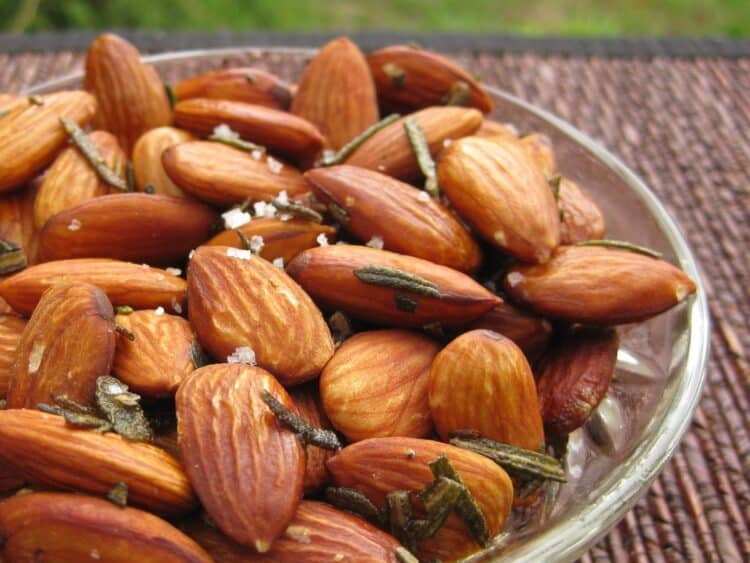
[[684, 126]]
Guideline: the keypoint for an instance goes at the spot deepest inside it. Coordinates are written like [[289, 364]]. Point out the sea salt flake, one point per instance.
[[94, 553], [256, 244], [174, 271], [35, 357], [176, 307], [274, 165], [298, 533], [242, 355], [75, 224], [424, 197], [192, 253], [322, 239], [514, 278], [283, 198], [264, 209], [159, 311], [235, 218], [375, 242], [224, 131], [239, 253], [145, 266], [279, 262], [256, 154], [447, 143]]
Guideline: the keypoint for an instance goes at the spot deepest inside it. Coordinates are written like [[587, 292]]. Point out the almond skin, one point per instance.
[[280, 132], [10, 102], [225, 176], [378, 205], [495, 130], [379, 466], [245, 466], [235, 303], [539, 149], [11, 328], [327, 274], [582, 220], [30, 138], [125, 283], [389, 151], [69, 528], [345, 110], [159, 358], [243, 84], [530, 332], [306, 398], [147, 164], [68, 342], [17, 220], [427, 79], [72, 180], [155, 229], [599, 286], [131, 96], [482, 381], [503, 195], [376, 385]]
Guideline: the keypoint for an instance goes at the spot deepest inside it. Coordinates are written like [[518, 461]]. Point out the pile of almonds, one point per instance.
[[390, 396]]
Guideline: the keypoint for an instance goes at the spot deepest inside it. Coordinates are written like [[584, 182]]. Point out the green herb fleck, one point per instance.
[[397, 279], [118, 494], [92, 155], [344, 152]]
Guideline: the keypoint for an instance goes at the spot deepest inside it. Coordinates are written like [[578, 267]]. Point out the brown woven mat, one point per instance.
[[684, 127]]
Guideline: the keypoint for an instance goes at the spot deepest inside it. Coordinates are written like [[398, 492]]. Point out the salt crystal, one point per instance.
[[283, 198], [176, 307], [224, 131], [447, 143], [35, 357], [94, 553], [263, 209], [235, 218], [239, 253], [274, 165], [192, 253], [279, 262], [375, 242], [75, 224], [298, 533], [174, 271], [145, 266], [322, 239], [285, 217], [381, 167], [159, 311], [514, 278], [256, 244], [256, 154], [423, 197], [242, 355]]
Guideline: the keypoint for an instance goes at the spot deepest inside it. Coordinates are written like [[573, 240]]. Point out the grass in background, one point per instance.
[[561, 17]]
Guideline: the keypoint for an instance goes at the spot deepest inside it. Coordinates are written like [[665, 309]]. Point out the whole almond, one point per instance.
[[501, 192], [30, 138], [280, 132], [530, 332], [409, 79], [17, 220], [124, 283], [68, 342], [72, 180], [44, 449], [343, 111], [390, 152], [237, 300], [245, 466], [155, 229], [599, 286], [403, 217], [241, 84], [223, 175], [581, 219], [482, 381], [147, 164], [327, 273], [159, 356], [375, 385], [379, 466], [306, 398], [70, 528], [131, 95], [11, 328]]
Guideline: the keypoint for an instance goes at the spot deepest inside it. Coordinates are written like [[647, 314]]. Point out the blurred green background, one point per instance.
[[561, 17]]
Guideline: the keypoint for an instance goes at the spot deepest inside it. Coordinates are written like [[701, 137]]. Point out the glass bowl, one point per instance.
[[661, 363]]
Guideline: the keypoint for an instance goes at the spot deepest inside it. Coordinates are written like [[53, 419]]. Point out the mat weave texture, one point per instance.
[[683, 125]]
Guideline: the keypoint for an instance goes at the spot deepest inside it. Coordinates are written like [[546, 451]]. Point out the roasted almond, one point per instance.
[[280, 132], [245, 466], [530, 332], [156, 229], [333, 276], [224, 175], [45, 450], [599, 285], [241, 84], [11, 328], [69, 528], [16, 219], [147, 164], [398, 216], [581, 219], [500, 191], [306, 398], [409, 79], [125, 283], [375, 385], [11, 102], [238, 301], [68, 342], [336, 93], [539, 149], [131, 95]]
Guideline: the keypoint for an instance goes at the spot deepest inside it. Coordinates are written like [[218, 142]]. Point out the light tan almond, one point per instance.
[[582, 219], [11, 328], [147, 164]]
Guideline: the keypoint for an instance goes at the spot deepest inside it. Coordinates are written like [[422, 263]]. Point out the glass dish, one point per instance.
[[612, 460]]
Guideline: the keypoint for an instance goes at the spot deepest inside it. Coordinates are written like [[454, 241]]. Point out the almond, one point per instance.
[[17, 220], [224, 175], [375, 385], [280, 132], [245, 466], [131, 96], [530, 332], [159, 357], [69, 528], [147, 164], [539, 149], [403, 217], [44, 449], [30, 138], [574, 376], [156, 229], [125, 283], [581, 219], [500, 191], [336, 93], [68, 342], [327, 273], [409, 79], [497, 131], [11, 328], [237, 300], [482, 381], [72, 180], [379, 466], [10, 102], [306, 398], [9, 480], [241, 84], [389, 150], [599, 285]]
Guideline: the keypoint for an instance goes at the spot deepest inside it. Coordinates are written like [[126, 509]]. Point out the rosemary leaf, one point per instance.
[[308, 433], [250, 78], [397, 279], [343, 153], [297, 210], [395, 73], [339, 214], [118, 494], [12, 257], [121, 330], [91, 153], [355, 502], [122, 409], [399, 510], [422, 153], [36, 100], [4, 112], [622, 245], [440, 499], [244, 241], [554, 184], [123, 310], [237, 143], [403, 555], [170, 96], [197, 355], [405, 304], [130, 176], [76, 414], [458, 95]]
